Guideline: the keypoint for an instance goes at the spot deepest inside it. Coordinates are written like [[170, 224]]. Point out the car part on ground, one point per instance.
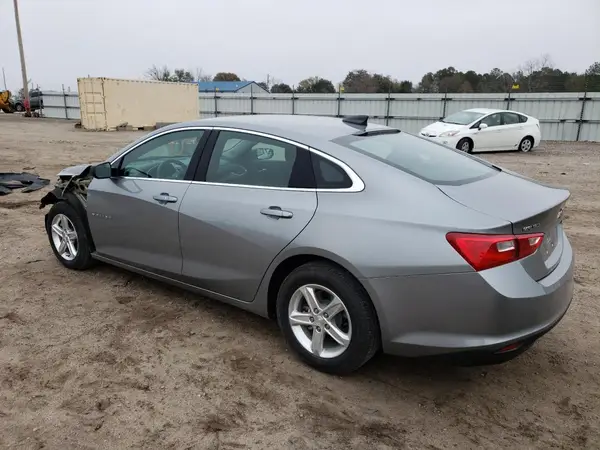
[[264, 212], [26, 182], [6, 102]]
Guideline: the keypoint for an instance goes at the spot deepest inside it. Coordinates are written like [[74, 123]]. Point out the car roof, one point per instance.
[[308, 130], [485, 110]]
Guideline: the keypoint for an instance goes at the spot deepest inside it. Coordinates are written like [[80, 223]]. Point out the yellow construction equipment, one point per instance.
[[5, 102]]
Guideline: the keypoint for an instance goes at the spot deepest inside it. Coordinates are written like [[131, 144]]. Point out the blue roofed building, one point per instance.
[[241, 87]]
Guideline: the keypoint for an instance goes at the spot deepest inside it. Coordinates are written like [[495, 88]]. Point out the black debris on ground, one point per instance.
[[27, 182]]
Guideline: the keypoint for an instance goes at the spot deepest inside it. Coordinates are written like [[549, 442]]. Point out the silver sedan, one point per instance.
[[354, 236]]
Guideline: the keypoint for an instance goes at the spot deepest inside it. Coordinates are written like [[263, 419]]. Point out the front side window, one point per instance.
[[462, 117], [493, 120], [247, 159], [419, 157], [165, 157]]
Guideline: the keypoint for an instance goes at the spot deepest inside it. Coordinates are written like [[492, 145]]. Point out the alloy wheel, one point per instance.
[[526, 145], [320, 321], [64, 237]]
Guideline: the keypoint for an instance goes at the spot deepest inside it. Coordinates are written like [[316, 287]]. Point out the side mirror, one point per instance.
[[102, 171], [483, 126]]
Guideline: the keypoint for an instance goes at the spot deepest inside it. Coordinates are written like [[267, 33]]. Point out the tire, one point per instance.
[[526, 144], [82, 258], [465, 145], [362, 328], [19, 107]]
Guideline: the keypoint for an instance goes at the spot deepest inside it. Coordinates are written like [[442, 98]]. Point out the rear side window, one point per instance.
[[329, 175], [522, 118], [511, 118], [419, 157]]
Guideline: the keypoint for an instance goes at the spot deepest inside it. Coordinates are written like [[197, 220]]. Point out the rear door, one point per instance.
[[252, 196], [514, 131], [134, 216]]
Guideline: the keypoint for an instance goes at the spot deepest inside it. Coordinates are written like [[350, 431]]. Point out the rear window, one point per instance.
[[419, 157]]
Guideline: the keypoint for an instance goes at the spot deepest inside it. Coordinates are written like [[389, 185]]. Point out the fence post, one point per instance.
[[65, 102], [339, 102], [445, 100], [387, 112], [508, 99], [216, 106], [293, 98], [583, 100], [251, 99]]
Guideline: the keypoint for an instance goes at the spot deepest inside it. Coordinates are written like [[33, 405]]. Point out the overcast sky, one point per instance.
[[292, 40]]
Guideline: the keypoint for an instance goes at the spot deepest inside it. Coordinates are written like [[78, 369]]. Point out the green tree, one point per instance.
[[182, 75], [226, 76], [315, 85], [281, 88]]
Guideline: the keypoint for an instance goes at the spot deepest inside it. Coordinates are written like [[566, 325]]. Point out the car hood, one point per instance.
[[436, 128], [75, 171]]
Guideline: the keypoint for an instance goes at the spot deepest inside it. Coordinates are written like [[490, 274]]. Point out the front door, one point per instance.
[[489, 138], [253, 197], [134, 216]]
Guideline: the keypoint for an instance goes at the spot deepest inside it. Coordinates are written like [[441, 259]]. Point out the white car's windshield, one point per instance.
[[462, 117]]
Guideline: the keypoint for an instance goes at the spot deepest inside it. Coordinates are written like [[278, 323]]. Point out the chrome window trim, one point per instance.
[[154, 136], [357, 183]]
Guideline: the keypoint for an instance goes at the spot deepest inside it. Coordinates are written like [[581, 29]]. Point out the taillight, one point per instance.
[[484, 251]]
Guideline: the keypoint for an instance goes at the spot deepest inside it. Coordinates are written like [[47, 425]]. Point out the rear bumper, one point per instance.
[[470, 312]]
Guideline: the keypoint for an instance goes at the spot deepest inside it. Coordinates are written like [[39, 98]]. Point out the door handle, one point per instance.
[[276, 212], [164, 197]]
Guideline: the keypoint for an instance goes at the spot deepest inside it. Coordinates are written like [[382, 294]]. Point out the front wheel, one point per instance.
[[68, 237], [327, 318], [465, 145]]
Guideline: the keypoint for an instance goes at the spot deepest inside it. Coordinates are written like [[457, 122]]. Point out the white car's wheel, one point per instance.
[[526, 144], [465, 145]]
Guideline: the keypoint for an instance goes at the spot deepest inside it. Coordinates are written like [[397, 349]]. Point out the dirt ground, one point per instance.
[[107, 359]]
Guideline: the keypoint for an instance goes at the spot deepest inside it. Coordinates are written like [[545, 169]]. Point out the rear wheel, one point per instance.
[[465, 145], [19, 107], [327, 318], [68, 237], [526, 144]]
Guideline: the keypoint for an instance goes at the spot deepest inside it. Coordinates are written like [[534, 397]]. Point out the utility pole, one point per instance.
[[23, 68], [4, 78]]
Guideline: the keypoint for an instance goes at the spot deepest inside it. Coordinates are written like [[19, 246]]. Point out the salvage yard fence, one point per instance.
[[568, 116]]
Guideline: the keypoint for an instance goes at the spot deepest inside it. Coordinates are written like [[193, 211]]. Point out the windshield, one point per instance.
[[422, 158], [462, 117]]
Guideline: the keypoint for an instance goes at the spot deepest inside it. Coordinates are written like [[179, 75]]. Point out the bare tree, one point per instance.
[[201, 75], [159, 73]]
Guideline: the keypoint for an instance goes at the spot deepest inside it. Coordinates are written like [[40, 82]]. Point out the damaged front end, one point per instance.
[[72, 185]]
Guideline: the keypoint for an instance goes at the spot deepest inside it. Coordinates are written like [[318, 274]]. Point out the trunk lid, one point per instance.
[[530, 207]]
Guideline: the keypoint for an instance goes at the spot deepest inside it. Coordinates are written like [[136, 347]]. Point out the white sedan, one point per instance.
[[486, 130]]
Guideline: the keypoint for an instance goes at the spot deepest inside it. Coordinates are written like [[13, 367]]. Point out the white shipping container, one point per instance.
[[107, 103]]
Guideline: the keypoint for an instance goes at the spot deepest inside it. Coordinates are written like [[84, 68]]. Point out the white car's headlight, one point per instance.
[[449, 133]]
